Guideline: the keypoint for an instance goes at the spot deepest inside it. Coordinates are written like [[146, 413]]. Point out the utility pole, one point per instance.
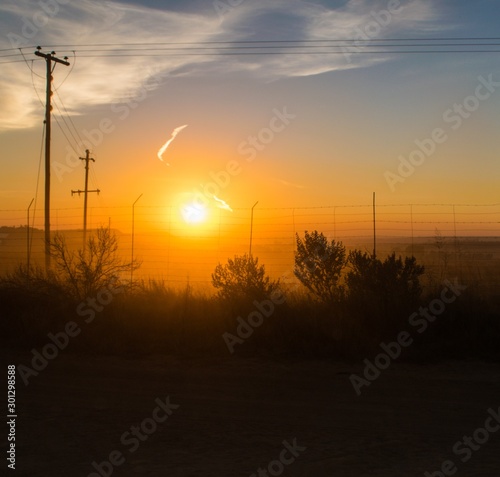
[[49, 59], [133, 234], [28, 238], [251, 230], [85, 192]]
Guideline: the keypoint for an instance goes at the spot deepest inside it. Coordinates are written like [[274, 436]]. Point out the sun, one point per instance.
[[194, 213]]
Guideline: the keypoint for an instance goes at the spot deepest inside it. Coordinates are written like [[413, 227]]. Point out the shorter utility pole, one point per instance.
[[85, 192], [28, 238], [251, 230], [133, 234]]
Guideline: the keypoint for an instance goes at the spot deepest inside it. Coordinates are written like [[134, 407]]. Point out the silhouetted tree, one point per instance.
[[84, 272], [319, 264], [244, 278]]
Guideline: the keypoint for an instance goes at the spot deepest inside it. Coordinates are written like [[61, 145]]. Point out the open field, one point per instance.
[[178, 260], [147, 384], [234, 414]]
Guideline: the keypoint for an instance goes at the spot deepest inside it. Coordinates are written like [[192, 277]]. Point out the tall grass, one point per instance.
[[152, 318]]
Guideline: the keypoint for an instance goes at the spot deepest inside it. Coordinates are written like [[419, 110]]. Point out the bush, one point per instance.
[[243, 279], [319, 265], [85, 272], [386, 291]]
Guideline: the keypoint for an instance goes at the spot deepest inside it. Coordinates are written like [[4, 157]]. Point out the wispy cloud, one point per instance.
[[96, 81], [172, 137], [291, 184], [221, 204]]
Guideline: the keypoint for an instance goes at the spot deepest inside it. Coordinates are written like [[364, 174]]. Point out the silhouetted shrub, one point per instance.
[[242, 279], [85, 271], [319, 265], [383, 292]]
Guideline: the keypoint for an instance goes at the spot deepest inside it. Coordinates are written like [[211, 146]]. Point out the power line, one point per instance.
[[286, 47], [236, 42], [64, 134], [76, 133], [240, 46], [69, 72]]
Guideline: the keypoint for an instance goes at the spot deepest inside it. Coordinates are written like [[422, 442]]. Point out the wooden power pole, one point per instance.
[[85, 192], [49, 59]]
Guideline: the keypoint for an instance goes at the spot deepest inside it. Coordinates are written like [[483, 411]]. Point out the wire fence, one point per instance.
[[177, 252]]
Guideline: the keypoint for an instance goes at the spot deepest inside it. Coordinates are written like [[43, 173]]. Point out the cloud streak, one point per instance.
[[104, 80], [221, 204], [172, 137], [291, 184]]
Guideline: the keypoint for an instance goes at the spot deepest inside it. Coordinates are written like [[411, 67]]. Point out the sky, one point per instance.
[[287, 130]]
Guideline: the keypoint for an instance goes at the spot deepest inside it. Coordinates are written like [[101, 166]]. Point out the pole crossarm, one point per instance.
[[52, 57], [83, 192]]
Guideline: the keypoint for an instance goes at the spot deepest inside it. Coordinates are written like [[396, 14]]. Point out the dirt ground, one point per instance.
[[234, 415]]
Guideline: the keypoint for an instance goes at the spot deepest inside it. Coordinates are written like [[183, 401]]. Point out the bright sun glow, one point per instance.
[[194, 213]]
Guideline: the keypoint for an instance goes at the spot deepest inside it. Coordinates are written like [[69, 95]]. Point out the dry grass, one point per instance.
[[151, 318]]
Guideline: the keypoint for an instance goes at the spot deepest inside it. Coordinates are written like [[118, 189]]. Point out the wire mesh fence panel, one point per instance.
[[461, 238]]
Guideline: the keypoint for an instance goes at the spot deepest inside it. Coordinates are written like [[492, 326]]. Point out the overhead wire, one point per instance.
[[78, 139], [332, 40], [285, 47], [69, 72], [65, 135], [240, 47], [62, 116], [34, 87], [276, 53]]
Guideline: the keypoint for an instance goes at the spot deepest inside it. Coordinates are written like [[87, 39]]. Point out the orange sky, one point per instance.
[[291, 131]]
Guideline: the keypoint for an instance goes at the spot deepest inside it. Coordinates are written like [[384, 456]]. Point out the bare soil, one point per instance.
[[234, 415]]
